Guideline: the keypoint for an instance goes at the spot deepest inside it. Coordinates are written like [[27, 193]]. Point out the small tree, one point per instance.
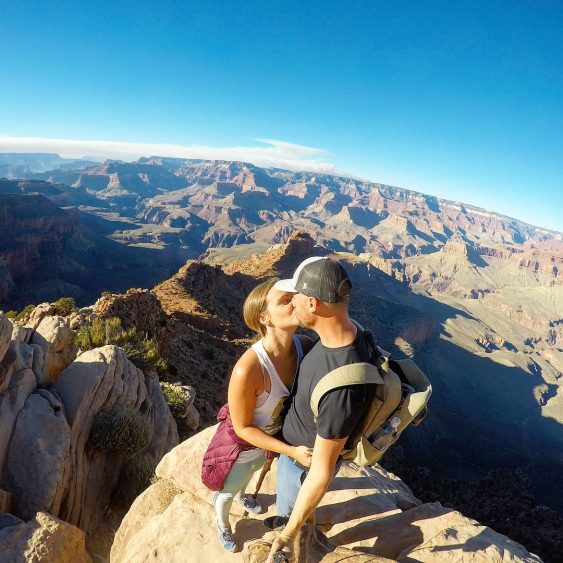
[[65, 306], [176, 398], [24, 312]]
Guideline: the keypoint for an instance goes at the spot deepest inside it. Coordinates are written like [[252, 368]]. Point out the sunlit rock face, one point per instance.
[[50, 467], [367, 515]]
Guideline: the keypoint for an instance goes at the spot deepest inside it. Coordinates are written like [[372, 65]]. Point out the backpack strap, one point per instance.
[[352, 374]]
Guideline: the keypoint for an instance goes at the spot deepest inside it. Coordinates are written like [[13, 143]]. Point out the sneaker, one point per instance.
[[250, 504], [276, 522], [227, 538]]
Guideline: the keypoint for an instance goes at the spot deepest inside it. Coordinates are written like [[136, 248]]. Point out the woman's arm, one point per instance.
[[245, 384]]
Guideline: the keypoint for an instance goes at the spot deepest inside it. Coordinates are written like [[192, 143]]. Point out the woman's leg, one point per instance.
[[237, 480]]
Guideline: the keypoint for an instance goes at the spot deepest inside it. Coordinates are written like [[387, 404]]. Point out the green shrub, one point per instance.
[[144, 353], [123, 431], [176, 399], [11, 314], [140, 349], [134, 478], [65, 306], [24, 312]]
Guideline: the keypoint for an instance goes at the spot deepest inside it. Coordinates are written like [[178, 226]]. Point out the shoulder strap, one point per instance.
[[351, 374], [299, 349]]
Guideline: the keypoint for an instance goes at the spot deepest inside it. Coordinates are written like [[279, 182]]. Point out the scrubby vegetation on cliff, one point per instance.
[[140, 349], [122, 431], [23, 313], [176, 399], [65, 306], [134, 478]]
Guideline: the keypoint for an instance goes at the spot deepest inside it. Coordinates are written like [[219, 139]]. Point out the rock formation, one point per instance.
[[50, 402], [184, 207], [47, 252], [367, 515], [44, 538], [137, 308]]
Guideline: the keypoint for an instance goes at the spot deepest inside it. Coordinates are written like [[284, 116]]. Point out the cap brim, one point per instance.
[[285, 285]]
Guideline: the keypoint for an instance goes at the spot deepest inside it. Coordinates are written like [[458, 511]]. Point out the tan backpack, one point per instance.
[[390, 399]]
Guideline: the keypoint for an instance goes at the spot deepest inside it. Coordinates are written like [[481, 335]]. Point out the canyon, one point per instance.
[[474, 297]]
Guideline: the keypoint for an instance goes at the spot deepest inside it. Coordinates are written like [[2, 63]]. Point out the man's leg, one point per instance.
[[288, 483]]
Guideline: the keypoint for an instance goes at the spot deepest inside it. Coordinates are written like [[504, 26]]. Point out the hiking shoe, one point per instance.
[[250, 504], [226, 536], [276, 522], [227, 539]]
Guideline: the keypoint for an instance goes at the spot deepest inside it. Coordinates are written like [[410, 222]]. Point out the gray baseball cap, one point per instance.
[[319, 277]]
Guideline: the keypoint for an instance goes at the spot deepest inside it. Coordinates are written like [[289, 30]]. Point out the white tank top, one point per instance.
[[269, 405]]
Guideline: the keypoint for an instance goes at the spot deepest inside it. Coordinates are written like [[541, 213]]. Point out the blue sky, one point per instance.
[[463, 100]]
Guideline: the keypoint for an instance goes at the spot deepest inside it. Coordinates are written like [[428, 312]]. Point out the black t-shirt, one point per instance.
[[339, 410]]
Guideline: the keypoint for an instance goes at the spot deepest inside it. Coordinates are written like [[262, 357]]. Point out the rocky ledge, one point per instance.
[[368, 515]]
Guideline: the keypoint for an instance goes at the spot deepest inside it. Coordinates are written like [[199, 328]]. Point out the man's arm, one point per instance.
[[325, 456]]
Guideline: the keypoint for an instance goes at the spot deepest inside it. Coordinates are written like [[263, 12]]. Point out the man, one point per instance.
[[322, 292]]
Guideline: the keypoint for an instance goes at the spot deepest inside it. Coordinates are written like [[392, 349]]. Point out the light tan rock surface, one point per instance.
[[478, 544], [34, 318], [5, 335], [55, 337], [17, 381], [99, 380], [44, 539], [46, 415], [37, 456], [311, 546], [369, 513]]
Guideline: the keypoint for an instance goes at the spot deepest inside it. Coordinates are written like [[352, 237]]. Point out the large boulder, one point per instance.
[[44, 538], [55, 337], [5, 334], [49, 402], [34, 317], [368, 514], [102, 380], [38, 456], [17, 381]]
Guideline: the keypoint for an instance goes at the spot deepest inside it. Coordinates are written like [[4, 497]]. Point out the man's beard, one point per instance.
[[302, 322]]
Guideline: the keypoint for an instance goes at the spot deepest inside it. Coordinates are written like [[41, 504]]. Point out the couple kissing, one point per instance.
[[269, 400]]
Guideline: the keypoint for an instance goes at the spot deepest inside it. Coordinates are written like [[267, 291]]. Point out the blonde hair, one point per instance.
[[255, 304]]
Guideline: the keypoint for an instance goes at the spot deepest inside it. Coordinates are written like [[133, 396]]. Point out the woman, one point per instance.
[[260, 382]]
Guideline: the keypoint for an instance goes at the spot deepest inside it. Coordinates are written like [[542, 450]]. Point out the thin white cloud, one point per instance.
[[270, 152]]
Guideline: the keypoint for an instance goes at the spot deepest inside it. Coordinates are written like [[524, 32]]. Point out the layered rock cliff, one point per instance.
[[33, 232], [47, 252]]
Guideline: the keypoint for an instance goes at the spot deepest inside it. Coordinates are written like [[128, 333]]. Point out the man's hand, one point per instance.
[[303, 455], [282, 543]]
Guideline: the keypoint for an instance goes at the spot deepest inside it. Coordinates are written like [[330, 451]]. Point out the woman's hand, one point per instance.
[[302, 455]]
